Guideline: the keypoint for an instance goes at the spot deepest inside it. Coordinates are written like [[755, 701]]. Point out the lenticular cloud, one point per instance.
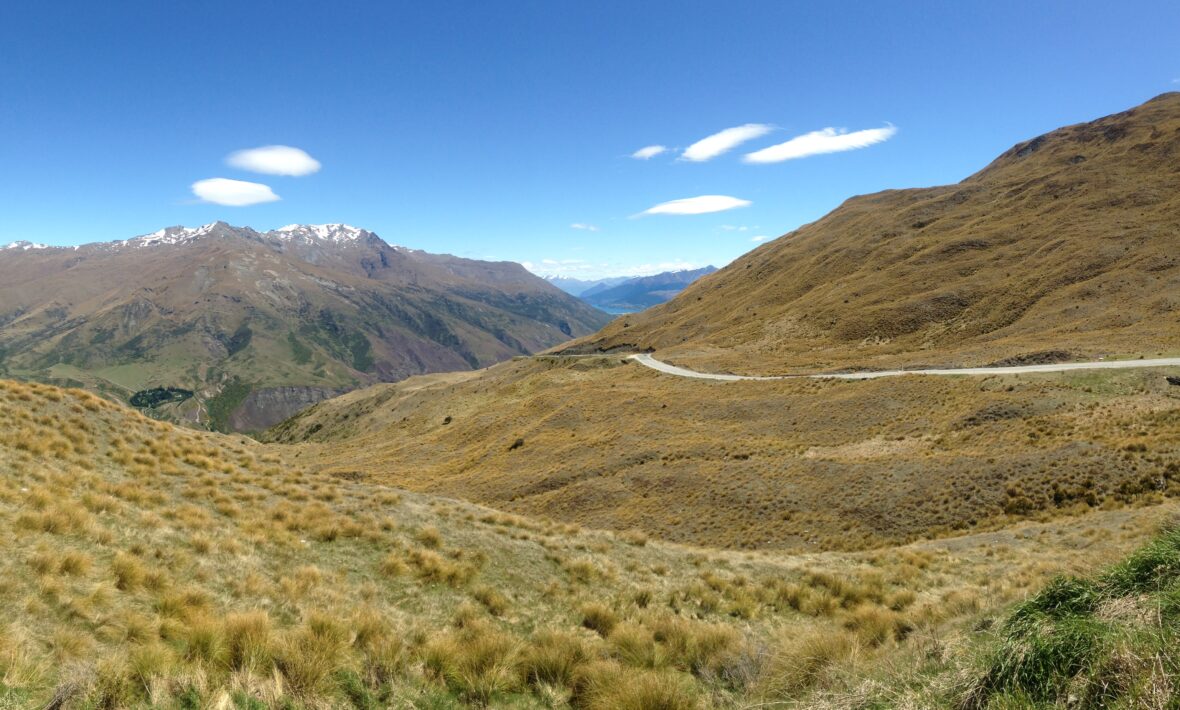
[[829, 140], [697, 205], [724, 141], [233, 193], [274, 160]]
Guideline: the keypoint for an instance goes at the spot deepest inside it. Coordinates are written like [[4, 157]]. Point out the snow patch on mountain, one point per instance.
[[335, 233], [25, 246], [170, 235]]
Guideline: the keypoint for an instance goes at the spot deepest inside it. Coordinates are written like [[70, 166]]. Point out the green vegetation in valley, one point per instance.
[[300, 353], [146, 399], [227, 400]]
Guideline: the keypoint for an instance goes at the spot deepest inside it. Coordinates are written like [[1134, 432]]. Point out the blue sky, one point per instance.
[[487, 129]]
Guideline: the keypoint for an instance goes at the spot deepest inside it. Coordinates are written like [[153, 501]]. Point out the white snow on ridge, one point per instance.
[[25, 246], [336, 233], [170, 235]]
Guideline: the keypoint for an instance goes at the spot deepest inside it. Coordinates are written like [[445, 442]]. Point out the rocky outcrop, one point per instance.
[[263, 408]]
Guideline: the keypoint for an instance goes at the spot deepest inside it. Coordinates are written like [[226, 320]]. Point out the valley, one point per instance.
[[923, 452], [782, 464]]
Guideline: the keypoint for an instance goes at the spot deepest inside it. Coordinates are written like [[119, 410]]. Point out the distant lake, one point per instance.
[[616, 311]]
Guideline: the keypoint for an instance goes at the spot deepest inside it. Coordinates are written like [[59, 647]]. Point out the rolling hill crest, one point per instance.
[[1063, 247]]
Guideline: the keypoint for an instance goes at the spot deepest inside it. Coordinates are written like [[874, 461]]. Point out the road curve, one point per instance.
[[649, 361]]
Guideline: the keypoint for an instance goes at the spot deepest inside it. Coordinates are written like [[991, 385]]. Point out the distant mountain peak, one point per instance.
[[337, 233], [173, 235], [24, 245]]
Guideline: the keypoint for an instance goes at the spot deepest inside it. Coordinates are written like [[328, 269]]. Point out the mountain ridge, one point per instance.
[[644, 291], [1060, 242], [219, 309]]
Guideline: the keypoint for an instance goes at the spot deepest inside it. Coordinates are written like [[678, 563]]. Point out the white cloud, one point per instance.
[[652, 269], [718, 143], [234, 193], [759, 239], [697, 205], [733, 228], [274, 160], [829, 140], [584, 226], [589, 270], [649, 152]]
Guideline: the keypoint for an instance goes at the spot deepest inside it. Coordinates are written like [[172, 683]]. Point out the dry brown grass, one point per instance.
[[161, 580], [770, 465]]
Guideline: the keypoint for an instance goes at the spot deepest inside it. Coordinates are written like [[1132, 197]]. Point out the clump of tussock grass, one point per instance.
[[433, 567], [1093, 642], [309, 656], [477, 661], [552, 658], [801, 662], [128, 571], [492, 600], [606, 685], [248, 640], [599, 618]]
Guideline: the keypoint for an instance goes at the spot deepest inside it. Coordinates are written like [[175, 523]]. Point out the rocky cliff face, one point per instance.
[[263, 408]]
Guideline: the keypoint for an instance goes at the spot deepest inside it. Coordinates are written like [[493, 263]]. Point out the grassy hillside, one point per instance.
[[154, 566], [1063, 247], [799, 465]]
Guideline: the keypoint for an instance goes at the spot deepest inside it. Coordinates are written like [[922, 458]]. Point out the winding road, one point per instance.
[[649, 361]]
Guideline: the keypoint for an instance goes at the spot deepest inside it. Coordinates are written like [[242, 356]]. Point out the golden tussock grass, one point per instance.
[[211, 583]]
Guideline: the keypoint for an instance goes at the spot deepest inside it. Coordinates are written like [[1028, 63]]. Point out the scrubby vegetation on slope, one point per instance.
[[799, 465], [152, 566]]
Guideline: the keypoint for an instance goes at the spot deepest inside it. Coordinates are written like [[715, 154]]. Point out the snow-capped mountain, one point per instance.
[[168, 236], [275, 319]]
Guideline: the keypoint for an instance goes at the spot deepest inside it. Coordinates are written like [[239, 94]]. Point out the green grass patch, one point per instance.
[[223, 405], [1092, 643], [299, 352]]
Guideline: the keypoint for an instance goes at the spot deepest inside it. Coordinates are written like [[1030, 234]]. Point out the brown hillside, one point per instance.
[[796, 464], [1067, 242], [147, 565]]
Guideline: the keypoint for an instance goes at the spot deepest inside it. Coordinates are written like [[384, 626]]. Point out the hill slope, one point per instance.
[[258, 325], [1065, 243], [794, 464], [147, 565]]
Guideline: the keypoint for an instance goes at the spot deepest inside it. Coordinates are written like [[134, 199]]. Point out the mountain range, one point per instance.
[[642, 292], [237, 329], [580, 287]]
